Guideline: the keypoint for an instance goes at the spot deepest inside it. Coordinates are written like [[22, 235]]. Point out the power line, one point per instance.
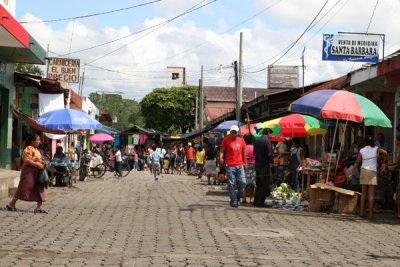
[[310, 25], [192, 9], [92, 15], [372, 16]]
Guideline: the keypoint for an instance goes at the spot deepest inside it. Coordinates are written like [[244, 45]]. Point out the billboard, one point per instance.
[[63, 69], [283, 77], [354, 47]]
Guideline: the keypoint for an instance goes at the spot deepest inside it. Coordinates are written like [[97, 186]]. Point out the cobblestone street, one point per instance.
[[181, 221]]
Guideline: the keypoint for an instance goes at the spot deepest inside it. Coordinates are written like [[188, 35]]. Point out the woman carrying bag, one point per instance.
[[28, 187]]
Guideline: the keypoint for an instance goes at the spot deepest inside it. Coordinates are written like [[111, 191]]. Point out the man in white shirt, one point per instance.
[[118, 161]]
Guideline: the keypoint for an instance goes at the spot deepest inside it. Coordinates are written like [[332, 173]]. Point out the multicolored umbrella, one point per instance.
[[343, 105], [294, 125], [244, 129]]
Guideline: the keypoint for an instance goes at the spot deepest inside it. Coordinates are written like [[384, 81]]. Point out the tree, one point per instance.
[[170, 109], [127, 111], [28, 68]]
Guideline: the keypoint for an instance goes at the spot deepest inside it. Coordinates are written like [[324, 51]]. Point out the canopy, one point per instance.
[[225, 126], [66, 119], [341, 104], [100, 137], [294, 125]]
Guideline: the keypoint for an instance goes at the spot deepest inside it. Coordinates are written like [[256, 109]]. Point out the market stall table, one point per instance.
[[309, 172], [70, 168]]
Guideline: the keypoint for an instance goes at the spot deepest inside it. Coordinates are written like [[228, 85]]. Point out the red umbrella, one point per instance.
[[245, 130]]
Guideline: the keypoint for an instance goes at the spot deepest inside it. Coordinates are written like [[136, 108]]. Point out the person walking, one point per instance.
[[368, 175], [263, 154], [200, 160], [28, 188], [234, 150], [189, 154], [180, 159], [210, 165], [118, 162], [155, 160]]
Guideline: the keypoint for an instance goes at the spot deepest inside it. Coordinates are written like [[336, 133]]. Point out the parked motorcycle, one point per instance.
[[84, 165]]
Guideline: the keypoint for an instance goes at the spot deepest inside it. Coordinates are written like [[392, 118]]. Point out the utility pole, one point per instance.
[[196, 116], [302, 65], [239, 76], [201, 109]]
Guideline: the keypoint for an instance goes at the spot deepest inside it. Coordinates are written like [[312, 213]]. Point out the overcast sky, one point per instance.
[[129, 50]]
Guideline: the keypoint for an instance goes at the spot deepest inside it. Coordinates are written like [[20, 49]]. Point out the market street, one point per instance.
[[181, 221]]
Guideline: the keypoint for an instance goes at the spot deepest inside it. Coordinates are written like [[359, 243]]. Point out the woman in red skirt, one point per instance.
[[28, 188]]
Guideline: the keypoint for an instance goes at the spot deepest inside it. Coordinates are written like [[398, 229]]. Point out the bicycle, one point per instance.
[[99, 170]]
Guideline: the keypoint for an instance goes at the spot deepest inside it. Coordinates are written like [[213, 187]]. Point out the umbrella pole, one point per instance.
[[341, 146], [332, 148]]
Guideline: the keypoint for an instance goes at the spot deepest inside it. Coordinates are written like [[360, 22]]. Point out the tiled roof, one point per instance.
[[213, 113], [228, 94]]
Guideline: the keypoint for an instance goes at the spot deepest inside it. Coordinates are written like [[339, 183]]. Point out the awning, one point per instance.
[[16, 45], [107, 130], [138, 129], [32, 123], [188, 136], [44, 85]]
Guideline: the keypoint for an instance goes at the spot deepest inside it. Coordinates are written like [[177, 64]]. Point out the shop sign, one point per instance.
[[354, 47], [283, 77], [63, 69]]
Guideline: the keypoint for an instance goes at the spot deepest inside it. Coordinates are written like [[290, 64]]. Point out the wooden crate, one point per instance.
[[347, 204], [320, 198]]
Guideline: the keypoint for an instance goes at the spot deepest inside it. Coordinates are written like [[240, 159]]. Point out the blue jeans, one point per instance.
[[235, 174], [156, 169]]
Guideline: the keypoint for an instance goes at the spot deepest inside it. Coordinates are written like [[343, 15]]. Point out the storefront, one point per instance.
[[16, 46]]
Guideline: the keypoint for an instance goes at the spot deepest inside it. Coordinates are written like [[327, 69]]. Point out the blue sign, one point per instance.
[[354, 48]]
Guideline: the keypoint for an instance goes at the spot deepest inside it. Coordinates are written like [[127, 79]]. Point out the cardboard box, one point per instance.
[[347, 204], [319, 197]]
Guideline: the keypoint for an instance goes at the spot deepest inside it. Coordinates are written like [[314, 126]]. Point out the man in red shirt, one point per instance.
[[234, 148], [189, 153]]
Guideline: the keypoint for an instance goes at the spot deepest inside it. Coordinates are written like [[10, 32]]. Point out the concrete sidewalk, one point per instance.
[[8, 179], [181, 221]]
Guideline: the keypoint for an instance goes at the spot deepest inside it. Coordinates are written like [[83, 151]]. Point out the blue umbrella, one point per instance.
[[225, 126], [66, 119]]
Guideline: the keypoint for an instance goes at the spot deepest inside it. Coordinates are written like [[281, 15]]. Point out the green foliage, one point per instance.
[[28, 68], [127, 111], [170, 110]]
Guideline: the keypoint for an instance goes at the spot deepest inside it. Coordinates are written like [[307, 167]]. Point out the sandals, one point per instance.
[[40, 211], [9, 208]]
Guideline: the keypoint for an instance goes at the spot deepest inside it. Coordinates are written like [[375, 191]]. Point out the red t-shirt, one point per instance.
[[233, 151], [190, 153]]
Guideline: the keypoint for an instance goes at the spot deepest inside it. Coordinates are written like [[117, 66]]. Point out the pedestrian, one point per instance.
[[180, 159], [189, 153], [233, 154], [200, 160], [368, 157], [263, 154], [397, 194], [210, 165], [28, 188], [155, 160], [250, 188], [118, 162]]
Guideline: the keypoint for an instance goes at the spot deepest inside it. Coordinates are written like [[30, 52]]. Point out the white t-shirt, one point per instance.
[[118, 156], [369, 158]]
